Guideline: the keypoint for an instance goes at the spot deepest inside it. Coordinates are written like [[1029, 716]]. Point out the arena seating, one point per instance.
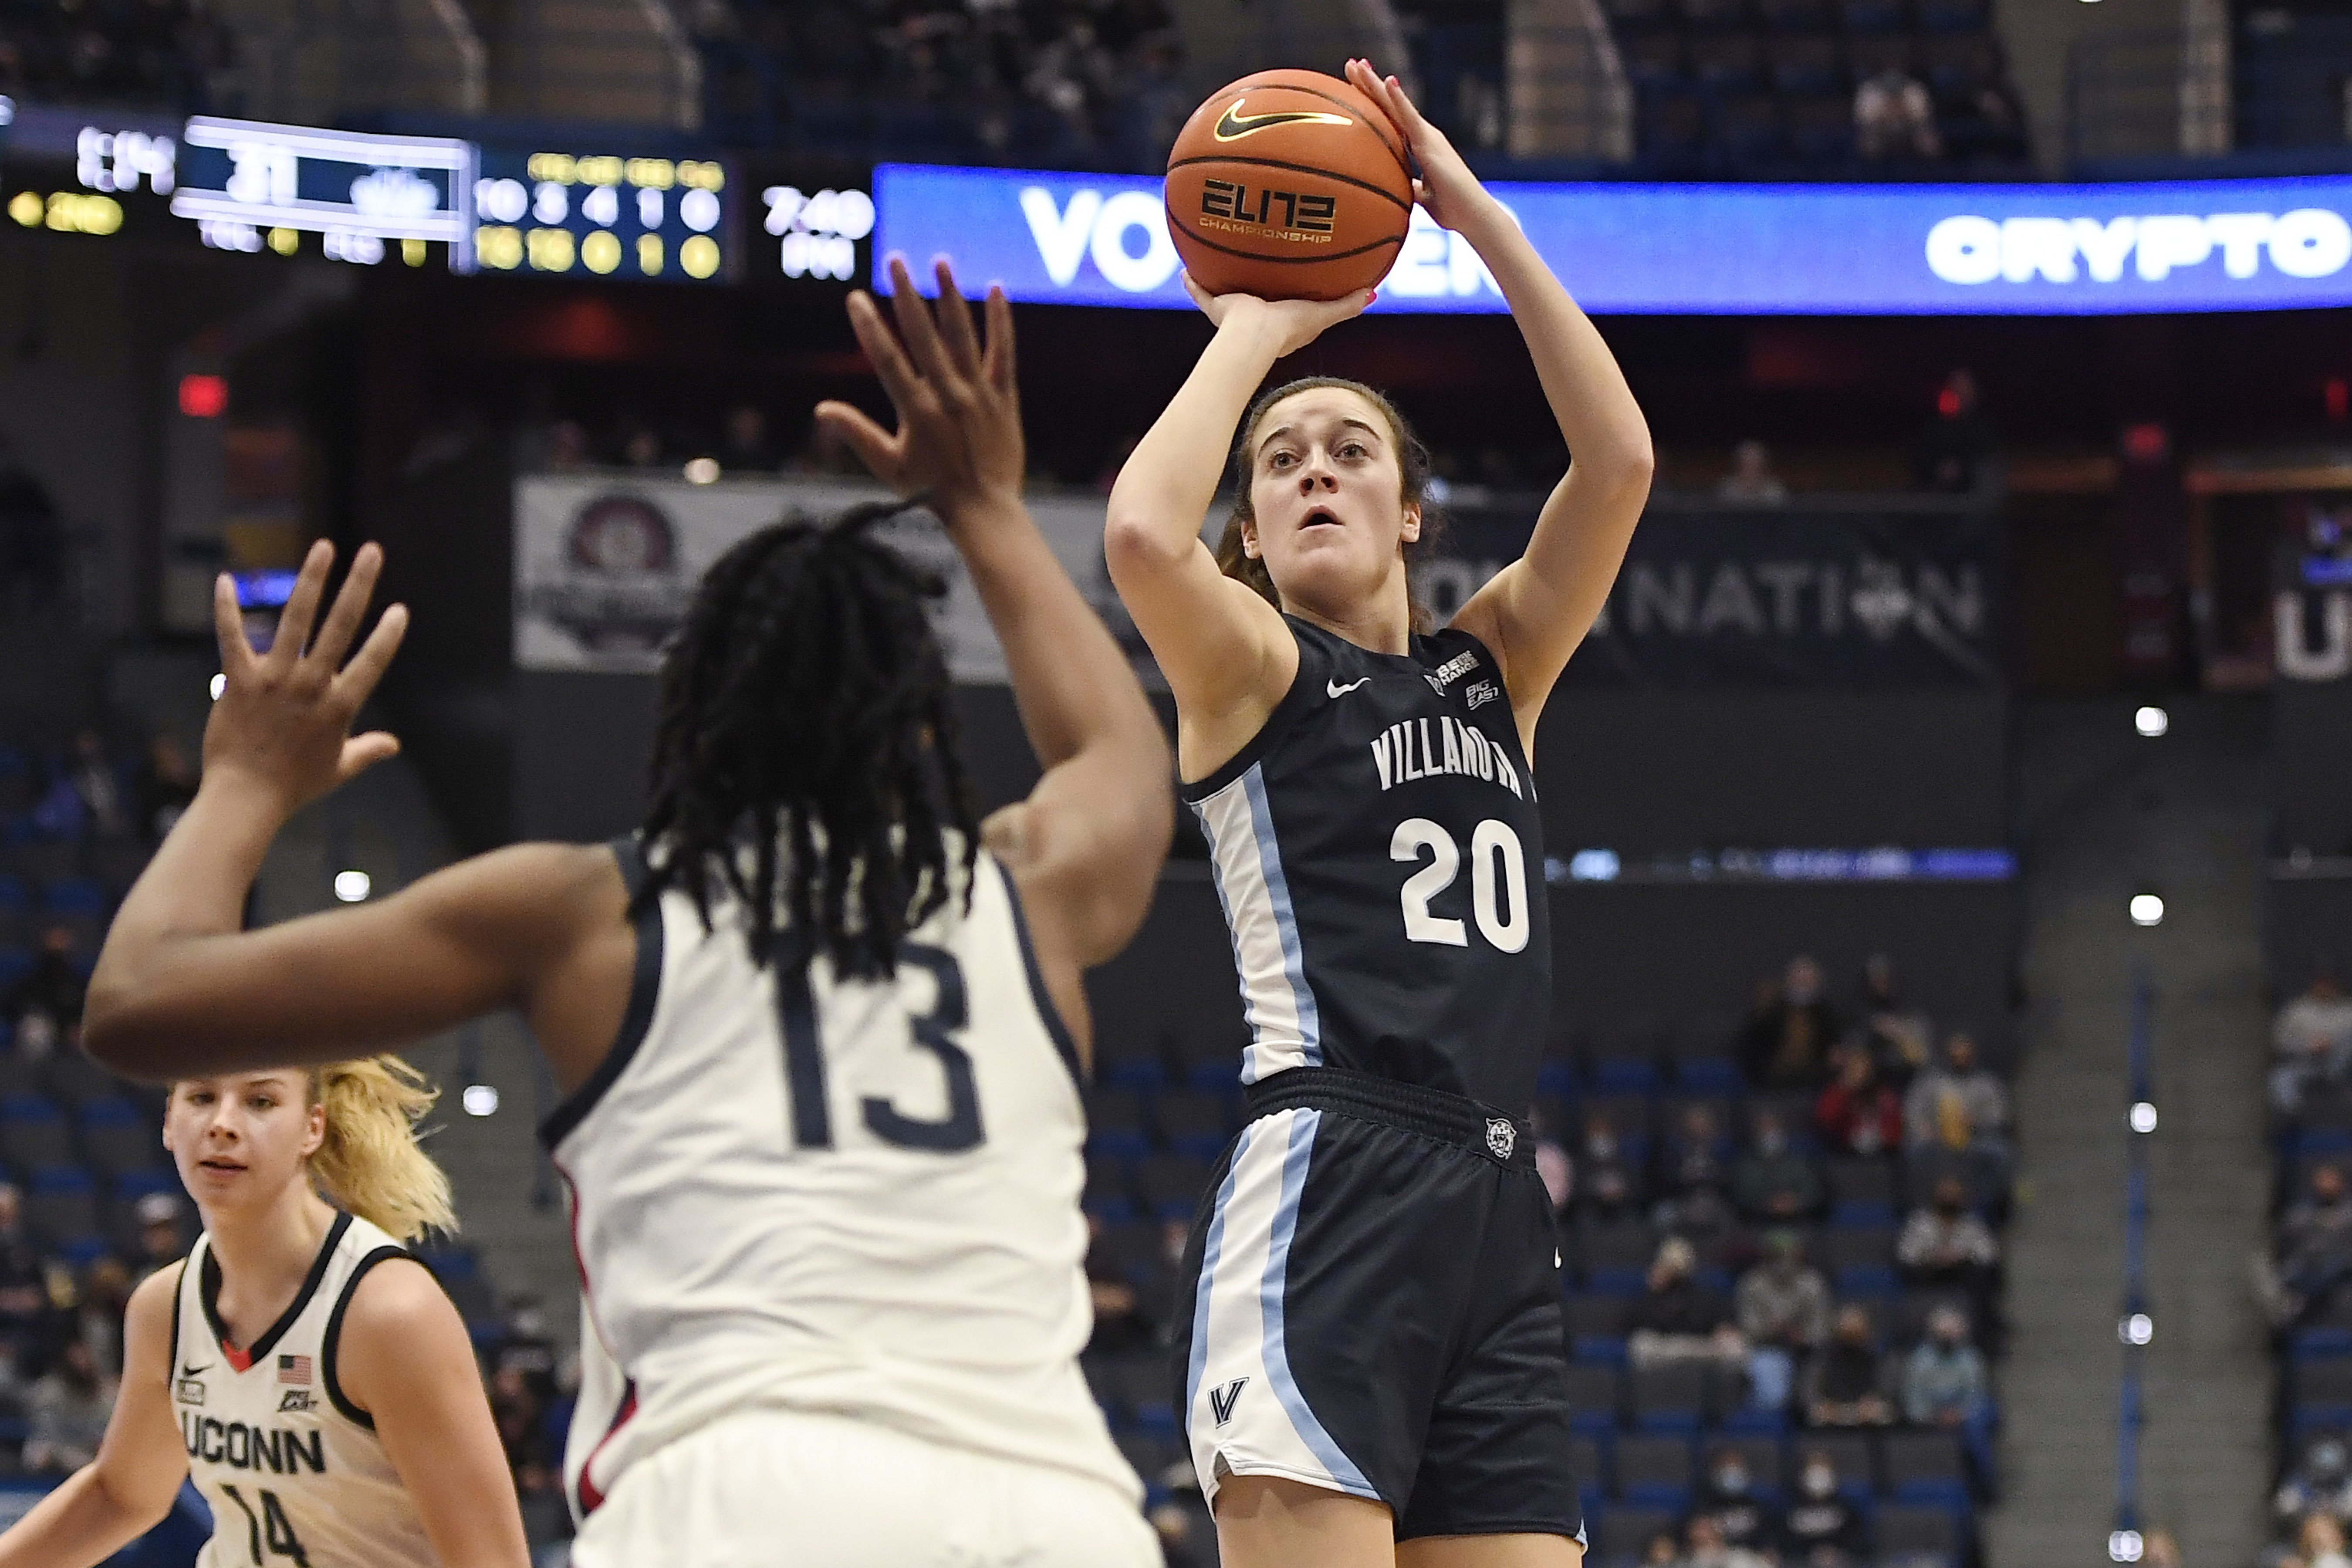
[[1645, 1434], [168, 55]]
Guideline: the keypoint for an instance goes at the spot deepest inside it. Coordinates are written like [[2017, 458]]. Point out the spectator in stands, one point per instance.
[[568, 448], [1858, 1114], [1957, 1105], [1188, 1534], [1120, 1321], [1787, 1042], [1899, 1036], [1727, 1495], [1773, 1183], [641, 445], [1957, 451], [2311, 1042], [1845, 1386], [162, 787], [1662, 1553], [1944, 1382], [1751, 481], [1894, 117], [1610, 1188], [32, 540], [526, 1347], [98, 1307], [161, 1244], [69, 1406], [2320, 1543], [745, 446], [2160, 1550], [1707, 1547], [1943, 1244], [2321, 1483], [1820, 1529], [2314, 1250], [521, 1420], [1695, 1206], [1679, 1318], [24, 1286], [92, 775], [1783, 1312], [45, 1005]]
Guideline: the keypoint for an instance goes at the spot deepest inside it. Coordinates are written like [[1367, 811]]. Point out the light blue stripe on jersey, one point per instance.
[[1277, 1351], [1285, 1027], [1210, 1251]]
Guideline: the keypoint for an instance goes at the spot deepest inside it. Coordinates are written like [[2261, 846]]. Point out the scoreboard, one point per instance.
[[246, 183], [602, 215]]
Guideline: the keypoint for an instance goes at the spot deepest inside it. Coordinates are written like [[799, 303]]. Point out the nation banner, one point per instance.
[[1831, 595]]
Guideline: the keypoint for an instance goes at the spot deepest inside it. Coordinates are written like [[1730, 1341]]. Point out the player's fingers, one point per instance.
[[342, 622], [915, 324], [1002, 371], [882, 350], [228, 627], [875, 447], [1201, 297], [302, 605], [361, 752], [955, 323], [1409, 113], [358, 677]]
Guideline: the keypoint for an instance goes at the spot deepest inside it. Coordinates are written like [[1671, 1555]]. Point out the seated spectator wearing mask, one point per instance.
[[1955, 1123], [1899, 1036], [1858, 1114], [45, 1005], [1944, 1380], [1772, 1184], [1845, 1386], [2320, 1542], [1787, 1042], [24, 1309], [1695, 1206], [2311, 1042], [69, 1408], [1679, 1318], [1820, 1528], [1610, 1186], [1783, 1313], [1944, 1243], [2314, 1250], [2320, 1483], [1726, 1494], [1706, 1548]]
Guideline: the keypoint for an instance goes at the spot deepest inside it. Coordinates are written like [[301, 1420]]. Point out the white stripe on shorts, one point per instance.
[[1240, 1368]]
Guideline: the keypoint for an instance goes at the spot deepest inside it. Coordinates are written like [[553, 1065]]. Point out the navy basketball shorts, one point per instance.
[[1370, 1303]]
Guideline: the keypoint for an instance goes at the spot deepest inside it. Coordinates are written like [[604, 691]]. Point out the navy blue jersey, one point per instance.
[[1380, 856]]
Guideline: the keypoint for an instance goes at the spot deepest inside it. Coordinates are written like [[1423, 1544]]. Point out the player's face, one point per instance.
[[239, 1139], [1327, 490]]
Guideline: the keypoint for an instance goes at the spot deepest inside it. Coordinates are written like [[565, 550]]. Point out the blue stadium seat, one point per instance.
[[1115, 1125], [62, 1201], [1667, 1401], [1862, 1192], [82, 1251], [1106, 1195], [1623, 1058], [1595, 1399], [1170, 1185], [136, 1184], [1625, 1530], [2322, 1393], [2320, 1342], [1596, 1328], [1135, 1073], [1927, 1467], [1915, 1533], [33, 1132], [1653, 1472], [1192, 1121]]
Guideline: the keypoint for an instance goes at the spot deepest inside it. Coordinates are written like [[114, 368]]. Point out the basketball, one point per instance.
[[1288, 185]]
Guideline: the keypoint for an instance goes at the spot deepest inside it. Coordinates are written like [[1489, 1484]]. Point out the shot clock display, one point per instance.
[[603, 215]]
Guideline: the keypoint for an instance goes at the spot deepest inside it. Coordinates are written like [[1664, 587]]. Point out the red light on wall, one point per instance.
[[1947, 403], [2147, 443], [2339, 398], [204, 397]]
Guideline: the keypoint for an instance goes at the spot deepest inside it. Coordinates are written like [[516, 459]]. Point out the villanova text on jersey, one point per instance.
[[1378, 852]]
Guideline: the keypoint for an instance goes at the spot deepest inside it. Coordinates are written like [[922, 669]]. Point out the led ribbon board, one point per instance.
[[241, 180], [602, 215], [1696, 249]]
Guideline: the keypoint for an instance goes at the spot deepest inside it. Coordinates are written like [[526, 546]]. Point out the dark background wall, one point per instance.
[[2311, 766]]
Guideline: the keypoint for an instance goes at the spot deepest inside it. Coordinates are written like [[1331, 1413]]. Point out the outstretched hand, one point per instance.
[[283, 722], [958, 441], [1446, 186], [1298, 323]]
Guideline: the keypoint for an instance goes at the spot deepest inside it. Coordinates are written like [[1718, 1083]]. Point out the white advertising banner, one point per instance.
[[607, 563]]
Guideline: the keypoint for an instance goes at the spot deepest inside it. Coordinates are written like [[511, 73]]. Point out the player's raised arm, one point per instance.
[[128, 1490], [1086, 846], [1220, 644], [1535, 611], [182, 989]]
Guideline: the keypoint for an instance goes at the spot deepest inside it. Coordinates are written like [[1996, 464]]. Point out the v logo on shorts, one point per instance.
[[1222, 1400]]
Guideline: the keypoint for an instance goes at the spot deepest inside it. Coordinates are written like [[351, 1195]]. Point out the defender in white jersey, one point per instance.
[[301, 1366], [820, 1030]]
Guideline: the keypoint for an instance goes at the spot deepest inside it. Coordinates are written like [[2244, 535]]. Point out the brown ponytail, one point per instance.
[[1412, 461]]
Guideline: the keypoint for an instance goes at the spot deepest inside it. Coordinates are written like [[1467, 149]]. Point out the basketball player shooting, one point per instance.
[[1369, 1351], [818, 1029]]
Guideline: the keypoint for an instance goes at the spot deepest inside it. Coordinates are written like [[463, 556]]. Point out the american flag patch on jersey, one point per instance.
[[294, 1369]]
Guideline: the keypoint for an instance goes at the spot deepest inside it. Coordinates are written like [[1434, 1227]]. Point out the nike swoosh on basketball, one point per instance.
[[1333, 688], [1233, 125]]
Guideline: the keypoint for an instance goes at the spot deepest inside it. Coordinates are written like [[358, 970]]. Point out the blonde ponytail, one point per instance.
[[369, 1164]]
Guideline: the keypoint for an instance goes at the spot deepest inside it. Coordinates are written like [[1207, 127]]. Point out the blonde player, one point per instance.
[[302, 1366], [818, 1028]]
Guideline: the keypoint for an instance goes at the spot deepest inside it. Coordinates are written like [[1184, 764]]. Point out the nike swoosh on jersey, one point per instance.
[[1333, 688], [194, 1370], [1233, 125]]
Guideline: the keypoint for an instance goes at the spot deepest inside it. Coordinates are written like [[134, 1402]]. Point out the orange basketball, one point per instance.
[[1289, 185]]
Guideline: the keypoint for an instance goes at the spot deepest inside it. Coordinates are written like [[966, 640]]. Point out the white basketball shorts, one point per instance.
[[781, 1489]]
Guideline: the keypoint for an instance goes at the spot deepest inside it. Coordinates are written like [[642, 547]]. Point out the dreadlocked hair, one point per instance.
[[805, 759]]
